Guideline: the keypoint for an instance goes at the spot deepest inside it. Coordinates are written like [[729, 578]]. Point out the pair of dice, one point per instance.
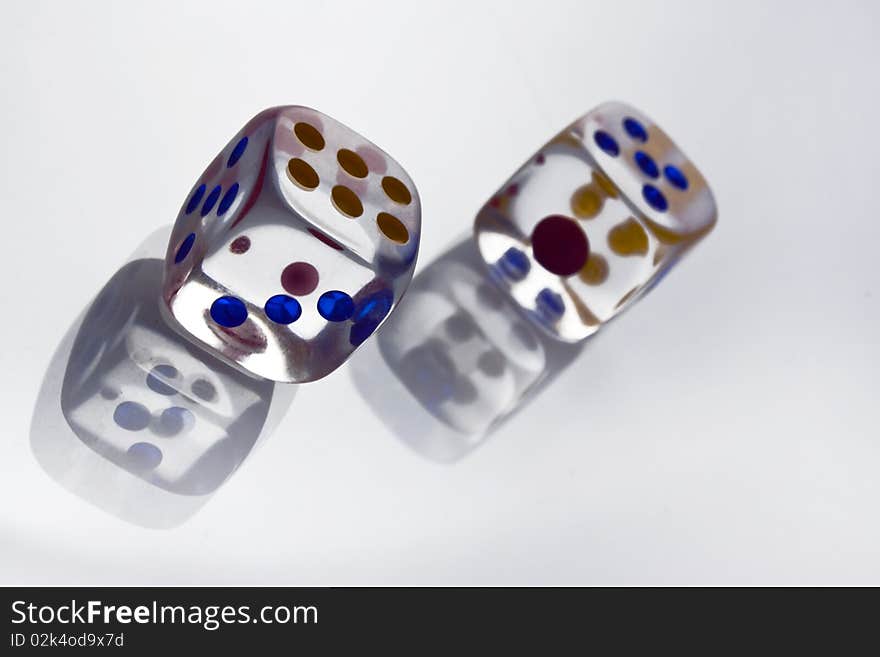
[[301, 236]]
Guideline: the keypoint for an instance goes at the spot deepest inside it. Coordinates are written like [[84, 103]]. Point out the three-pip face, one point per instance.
[[594, 220], [293, 246]]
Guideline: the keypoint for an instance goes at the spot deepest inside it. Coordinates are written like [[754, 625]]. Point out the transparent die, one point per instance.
[[593, 220], [292, 247]]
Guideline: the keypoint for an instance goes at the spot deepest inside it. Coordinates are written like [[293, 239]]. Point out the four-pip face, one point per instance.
[[594, 220], [293, 246]]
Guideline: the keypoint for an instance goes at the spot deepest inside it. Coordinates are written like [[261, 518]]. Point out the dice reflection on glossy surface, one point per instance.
[[152, 403], [593, 220], [293, 246], [461, 350]]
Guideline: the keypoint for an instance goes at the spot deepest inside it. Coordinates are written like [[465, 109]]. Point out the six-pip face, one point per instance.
[[293, 246]]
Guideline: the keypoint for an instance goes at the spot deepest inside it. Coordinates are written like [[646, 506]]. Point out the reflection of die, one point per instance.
[[461, 350], [593, 220], [293, 246], [154, 405]]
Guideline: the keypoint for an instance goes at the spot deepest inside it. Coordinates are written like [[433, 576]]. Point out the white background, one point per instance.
[[723, 431]]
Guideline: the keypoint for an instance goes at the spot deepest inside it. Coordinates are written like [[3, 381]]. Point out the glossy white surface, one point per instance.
[[724, 430]]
